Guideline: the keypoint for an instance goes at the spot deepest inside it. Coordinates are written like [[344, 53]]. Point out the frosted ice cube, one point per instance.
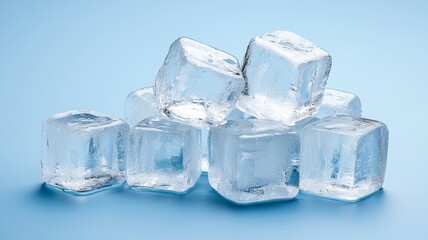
[[139, 105], [254, 160], [336, 102], [198, 83], [163, 155], [83, 151], [285, 77], [343, 157]]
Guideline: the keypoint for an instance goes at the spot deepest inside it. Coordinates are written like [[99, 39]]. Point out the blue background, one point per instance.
[[62, 55]]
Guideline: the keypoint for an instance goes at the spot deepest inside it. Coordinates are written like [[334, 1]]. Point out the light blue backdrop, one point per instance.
[[62, 55]]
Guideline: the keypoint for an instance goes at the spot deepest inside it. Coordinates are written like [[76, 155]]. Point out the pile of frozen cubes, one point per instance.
[[261, 132]]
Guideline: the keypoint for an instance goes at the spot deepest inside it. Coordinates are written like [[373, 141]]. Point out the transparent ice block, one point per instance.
[[285, 77], [198, 83], [83, 151], [254, 160], [163, 155], [343, 157]]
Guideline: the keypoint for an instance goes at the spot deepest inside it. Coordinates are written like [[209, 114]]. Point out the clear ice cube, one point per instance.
[[285, 77], [254, 160], [83, 151], [198, 82], [336, 102], [343, 157], [139, 105], [163, 155]]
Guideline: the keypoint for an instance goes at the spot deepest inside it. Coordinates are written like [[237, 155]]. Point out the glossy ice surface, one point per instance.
[[198, 82], [285, 76], [343, 157], [83, 151], [336, 102], [163, 155], [254, 161], [140, 104]]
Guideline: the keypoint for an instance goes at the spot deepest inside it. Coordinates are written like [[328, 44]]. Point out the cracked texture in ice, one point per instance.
[[83, 151], [336, 102], [254, 160], [343, 157], [163, 155], [139, 105], [285, 77], [198, 83]]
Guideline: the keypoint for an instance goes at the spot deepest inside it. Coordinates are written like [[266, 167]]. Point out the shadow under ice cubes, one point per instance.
[[83, 151]]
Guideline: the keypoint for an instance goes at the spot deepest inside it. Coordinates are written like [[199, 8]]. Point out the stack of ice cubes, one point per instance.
[[261, 132]]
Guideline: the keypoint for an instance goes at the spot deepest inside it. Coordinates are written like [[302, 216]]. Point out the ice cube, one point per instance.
[[139, 105], [285, 77], [83, 151], [336, 102], [198, 83], [163, 155], [254, 160], [343, 157]]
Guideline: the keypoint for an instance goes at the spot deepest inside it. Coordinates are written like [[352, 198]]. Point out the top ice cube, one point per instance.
[[285, 77], [336, 102], [198, 83]]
